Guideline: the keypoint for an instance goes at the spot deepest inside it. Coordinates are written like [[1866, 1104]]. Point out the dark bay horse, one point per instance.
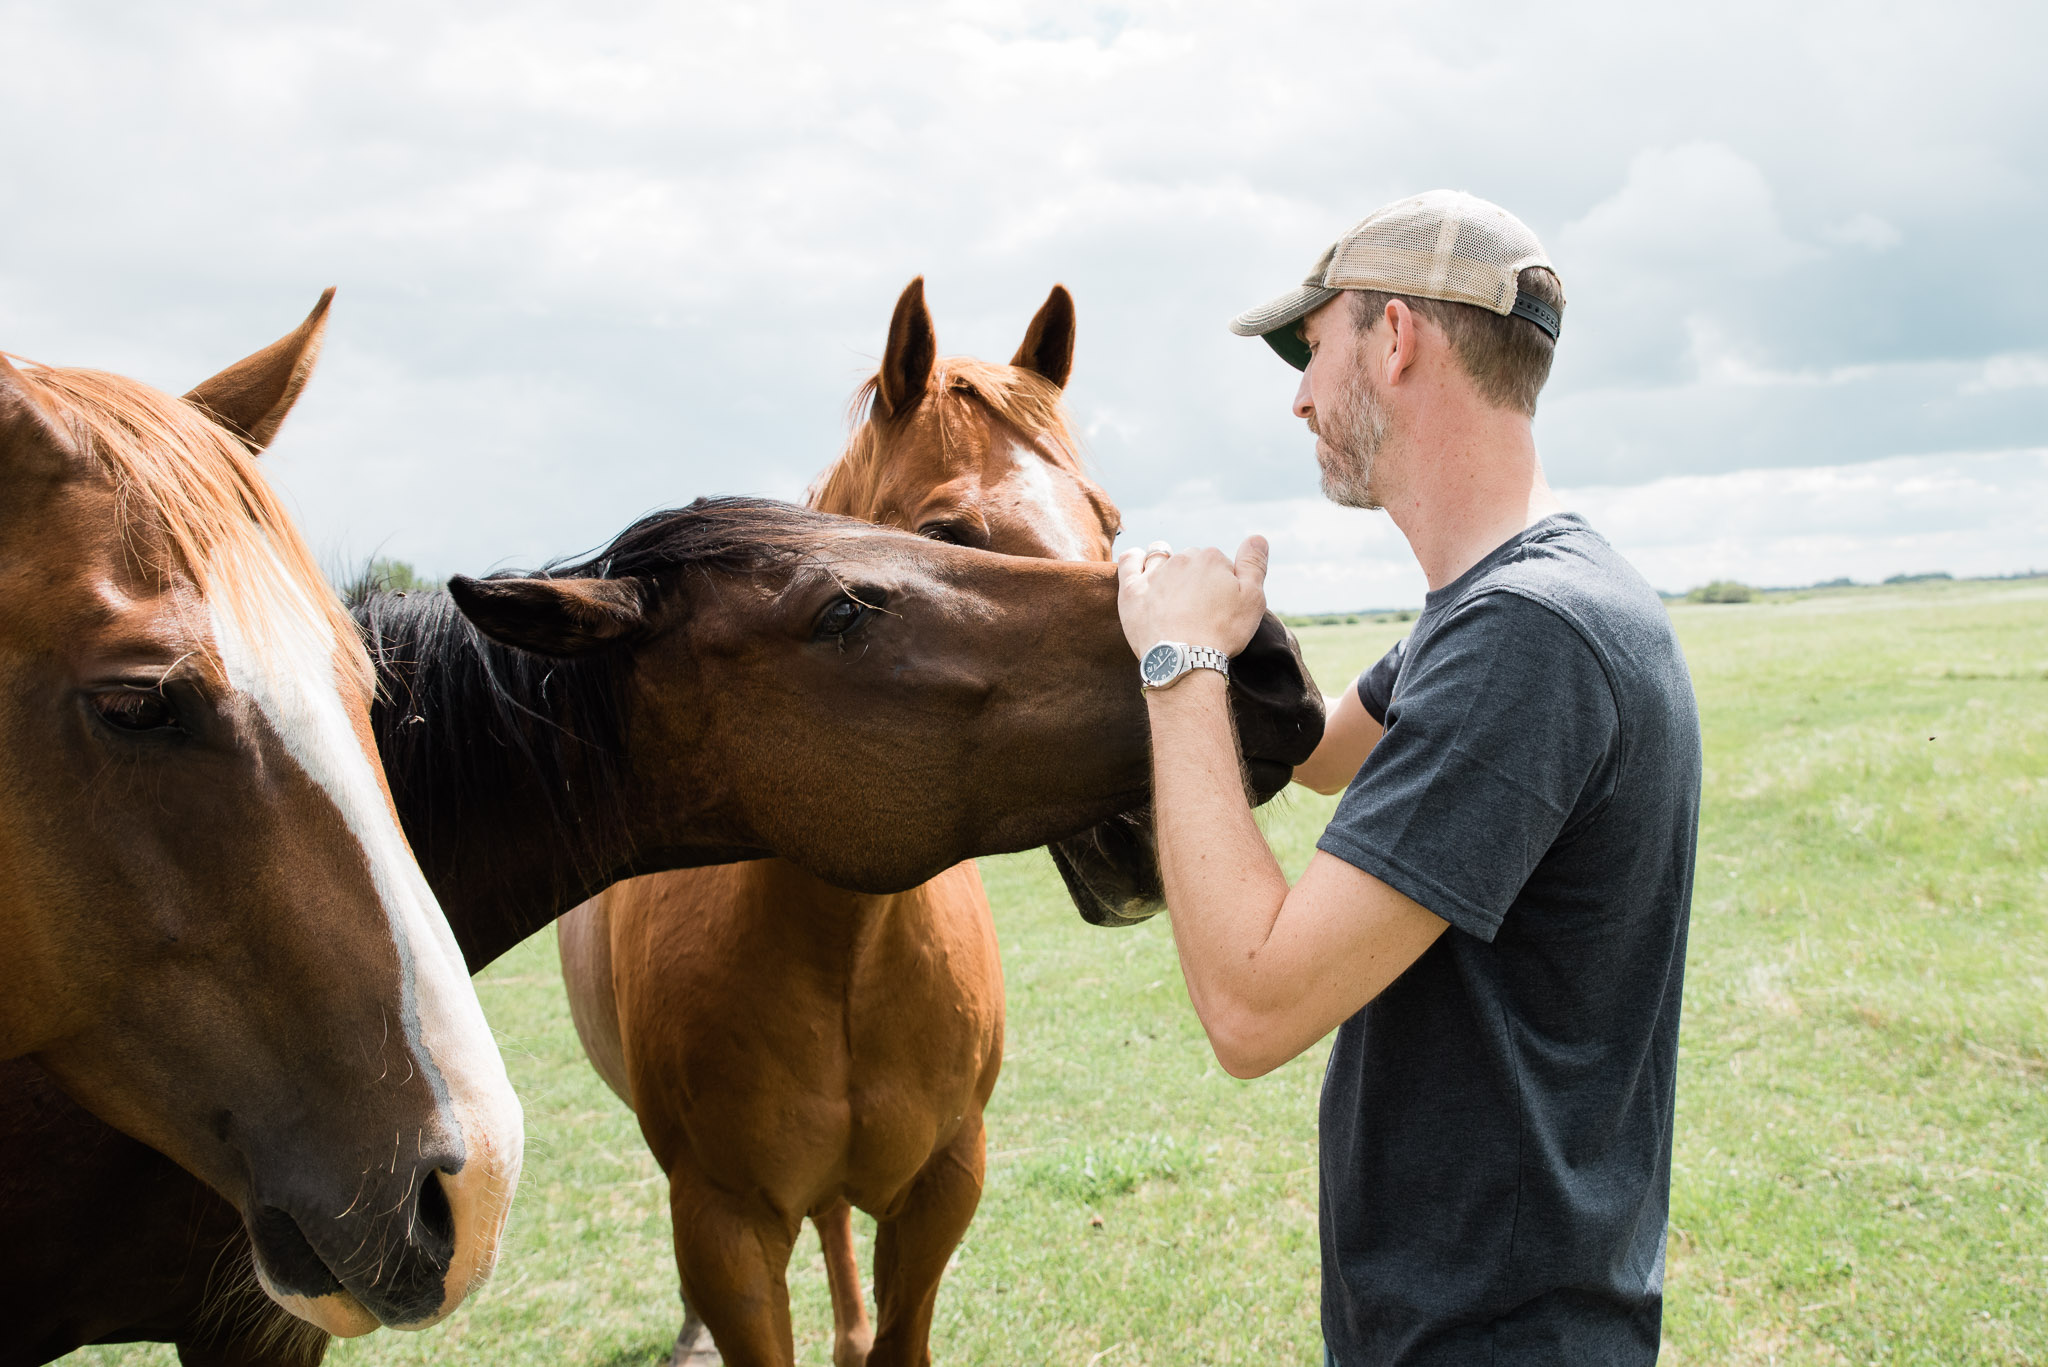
[[792, 1048], [731, 681], [215, 935]]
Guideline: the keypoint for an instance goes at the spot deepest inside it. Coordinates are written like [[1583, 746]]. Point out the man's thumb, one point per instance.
[[1251, 562]]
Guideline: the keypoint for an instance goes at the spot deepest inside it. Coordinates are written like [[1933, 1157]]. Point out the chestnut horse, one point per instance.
[[734, 680], [216, 937], [790, 1047]]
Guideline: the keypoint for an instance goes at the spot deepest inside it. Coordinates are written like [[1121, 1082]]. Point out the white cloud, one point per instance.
[[1697, 211], [598, 260], [1864, 230], [2020, 370], [1973, 514], [1976, 514]]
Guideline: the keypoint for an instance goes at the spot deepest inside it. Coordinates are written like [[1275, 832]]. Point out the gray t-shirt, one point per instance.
[[1496, 1125]]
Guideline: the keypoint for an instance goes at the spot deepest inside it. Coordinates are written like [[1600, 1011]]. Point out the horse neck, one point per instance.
[[506, 769], [840, 924]]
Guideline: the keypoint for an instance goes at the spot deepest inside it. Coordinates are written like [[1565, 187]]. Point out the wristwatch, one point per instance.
[[1170, 661]]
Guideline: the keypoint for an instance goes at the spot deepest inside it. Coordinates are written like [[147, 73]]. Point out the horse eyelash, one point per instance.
[[164, 677]]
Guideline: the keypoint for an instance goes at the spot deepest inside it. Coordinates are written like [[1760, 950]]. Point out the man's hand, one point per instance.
[[1199, 597]]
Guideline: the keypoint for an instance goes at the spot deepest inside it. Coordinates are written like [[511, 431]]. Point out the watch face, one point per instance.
[[1160, 662]]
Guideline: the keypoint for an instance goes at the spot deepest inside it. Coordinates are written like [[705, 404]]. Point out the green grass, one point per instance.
[[1863, 1102], [1863, 1097]]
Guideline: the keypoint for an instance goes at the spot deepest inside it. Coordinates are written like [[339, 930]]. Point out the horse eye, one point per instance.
[[134, 709], [840, 616], [949, 532]]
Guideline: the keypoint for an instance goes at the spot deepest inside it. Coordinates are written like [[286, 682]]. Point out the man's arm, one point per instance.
[[1349, 734], [1271, 969]]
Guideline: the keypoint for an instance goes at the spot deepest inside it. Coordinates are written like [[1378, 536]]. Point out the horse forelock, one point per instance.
[[1022, 398], [197, 487]]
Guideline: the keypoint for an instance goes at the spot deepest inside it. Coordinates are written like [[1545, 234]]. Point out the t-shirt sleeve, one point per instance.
[[1505, 725], [1376, 685]]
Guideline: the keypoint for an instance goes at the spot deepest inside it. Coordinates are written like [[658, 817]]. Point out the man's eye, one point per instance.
[[134, 709]]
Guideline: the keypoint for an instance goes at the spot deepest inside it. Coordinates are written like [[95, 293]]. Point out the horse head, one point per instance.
[[984, 455], [216, 936]]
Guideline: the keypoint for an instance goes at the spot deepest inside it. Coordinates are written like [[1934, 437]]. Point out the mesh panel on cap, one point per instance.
[[1441, 245]]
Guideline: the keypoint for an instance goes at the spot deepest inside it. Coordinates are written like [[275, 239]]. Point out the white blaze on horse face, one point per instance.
[[286, 662], [1031, 481]]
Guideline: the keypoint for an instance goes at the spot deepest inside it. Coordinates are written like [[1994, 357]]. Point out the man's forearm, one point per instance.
[[1223, 886], [1271, 969]]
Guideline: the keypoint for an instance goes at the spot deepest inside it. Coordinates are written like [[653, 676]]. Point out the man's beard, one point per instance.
[[1351, 441]]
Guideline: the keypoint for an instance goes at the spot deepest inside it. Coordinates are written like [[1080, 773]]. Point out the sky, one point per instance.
[[599, 259]]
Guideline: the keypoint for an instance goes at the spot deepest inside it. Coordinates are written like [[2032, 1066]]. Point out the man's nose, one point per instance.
[[1304, 405]]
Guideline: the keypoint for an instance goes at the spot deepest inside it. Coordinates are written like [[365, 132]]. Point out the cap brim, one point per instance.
[[1275, 321]]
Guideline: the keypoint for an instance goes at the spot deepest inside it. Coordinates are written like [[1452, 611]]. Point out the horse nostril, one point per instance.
[[433, 1220]]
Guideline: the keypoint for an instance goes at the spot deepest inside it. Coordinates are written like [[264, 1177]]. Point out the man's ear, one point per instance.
[[913, 351], [34, 443], [1048, 347], [251, 397], [560, 618], [1402, 340]]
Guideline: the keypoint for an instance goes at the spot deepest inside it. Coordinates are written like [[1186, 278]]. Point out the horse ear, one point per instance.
[[913, 350], [251, 397], [32, 439], [1049, 342], [554, 617]]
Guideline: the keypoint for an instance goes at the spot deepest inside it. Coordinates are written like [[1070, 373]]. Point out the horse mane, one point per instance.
[[729, 535], [463, 721], [178, 473], [1022, 398]]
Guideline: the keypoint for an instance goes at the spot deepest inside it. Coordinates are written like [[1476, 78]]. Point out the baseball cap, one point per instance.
[[1444, 244]]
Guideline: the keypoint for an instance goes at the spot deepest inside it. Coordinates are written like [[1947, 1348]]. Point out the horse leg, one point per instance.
[[733, 1257], [912, 1249], [852, 1335]]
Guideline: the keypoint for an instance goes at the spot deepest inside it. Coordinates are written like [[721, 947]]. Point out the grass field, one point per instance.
[[1860, 1172]]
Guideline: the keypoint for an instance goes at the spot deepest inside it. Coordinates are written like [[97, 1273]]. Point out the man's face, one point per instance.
[[1342, 405]]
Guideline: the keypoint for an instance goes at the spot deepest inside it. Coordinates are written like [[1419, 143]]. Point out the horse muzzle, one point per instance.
[[420, 1234]]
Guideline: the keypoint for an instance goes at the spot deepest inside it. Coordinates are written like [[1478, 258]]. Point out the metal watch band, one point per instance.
[[1205, 657]]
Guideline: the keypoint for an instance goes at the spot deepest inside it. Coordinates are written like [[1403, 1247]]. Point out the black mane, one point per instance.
[[739, 536], [472, 732]]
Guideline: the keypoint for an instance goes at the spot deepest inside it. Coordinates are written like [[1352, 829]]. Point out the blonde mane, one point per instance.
[[196, 484], [1022, 398]]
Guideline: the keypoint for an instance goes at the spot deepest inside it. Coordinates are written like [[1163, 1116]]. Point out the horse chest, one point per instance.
[[860, 1056]]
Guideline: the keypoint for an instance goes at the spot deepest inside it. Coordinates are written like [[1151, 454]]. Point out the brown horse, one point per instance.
[[734, 680], [216, 937], [792, 1048]]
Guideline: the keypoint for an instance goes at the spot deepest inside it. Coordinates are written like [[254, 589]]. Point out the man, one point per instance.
[[1495, 920]]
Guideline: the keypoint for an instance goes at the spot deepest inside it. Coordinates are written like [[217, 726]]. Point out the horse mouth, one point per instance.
[[298, 1279], [1112, 869], [404, 1288], [1269, 777]]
